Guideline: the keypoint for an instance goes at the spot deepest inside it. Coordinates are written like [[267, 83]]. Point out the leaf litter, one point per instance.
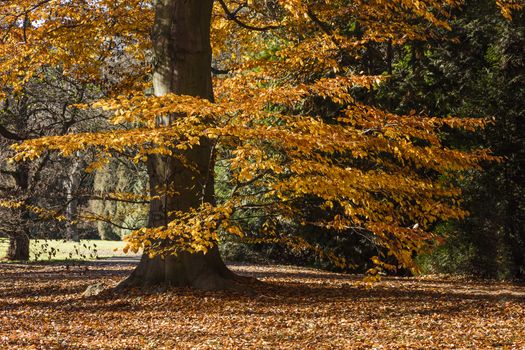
[[41, 307]]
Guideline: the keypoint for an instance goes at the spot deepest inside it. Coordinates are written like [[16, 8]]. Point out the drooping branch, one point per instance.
[[10, 135], [90, 216], [233, 16], [218, 71], [325, 28]]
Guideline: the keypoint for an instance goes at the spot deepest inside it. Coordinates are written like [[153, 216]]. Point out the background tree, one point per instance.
[[40, 92], [40, 108], [479, 72]]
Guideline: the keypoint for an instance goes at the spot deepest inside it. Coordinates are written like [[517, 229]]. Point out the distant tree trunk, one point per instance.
[[181, 41], [389, 56], [18, 246], [71, 185], [513, 237], [19, 240]]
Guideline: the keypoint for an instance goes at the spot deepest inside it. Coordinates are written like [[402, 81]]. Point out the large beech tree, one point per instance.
[[371, 172], [182, 48]]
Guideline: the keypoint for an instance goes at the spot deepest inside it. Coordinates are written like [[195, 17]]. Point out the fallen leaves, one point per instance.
[[297, 308]]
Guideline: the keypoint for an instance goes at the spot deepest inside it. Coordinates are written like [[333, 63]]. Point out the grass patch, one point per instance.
[[50, 250]]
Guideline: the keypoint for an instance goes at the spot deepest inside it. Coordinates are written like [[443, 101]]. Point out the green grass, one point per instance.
[[52, 250]]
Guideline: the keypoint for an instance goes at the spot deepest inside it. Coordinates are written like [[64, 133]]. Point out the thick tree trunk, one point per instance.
[[18, 247], [181, 40]]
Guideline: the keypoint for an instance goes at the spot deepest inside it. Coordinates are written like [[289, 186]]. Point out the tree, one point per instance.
[[372, 171], [39, 109], [181, 43], [478, 71], [38, 105], [19, 174]]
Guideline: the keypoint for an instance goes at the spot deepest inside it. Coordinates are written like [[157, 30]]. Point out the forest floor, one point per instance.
[[41, 307]]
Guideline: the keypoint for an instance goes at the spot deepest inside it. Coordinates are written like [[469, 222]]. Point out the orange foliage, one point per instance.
[[369, 167]]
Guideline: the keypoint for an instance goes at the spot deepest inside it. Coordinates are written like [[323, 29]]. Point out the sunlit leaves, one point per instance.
[[370, 170]]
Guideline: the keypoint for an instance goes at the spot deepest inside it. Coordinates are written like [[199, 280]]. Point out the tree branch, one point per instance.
[[233, 16], [218, 71], [325, 28], [10, 135]]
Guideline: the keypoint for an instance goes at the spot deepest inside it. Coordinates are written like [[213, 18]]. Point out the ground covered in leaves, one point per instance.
[[41, 308]]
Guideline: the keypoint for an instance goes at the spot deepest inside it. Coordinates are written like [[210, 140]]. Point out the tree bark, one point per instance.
[[181, 42]]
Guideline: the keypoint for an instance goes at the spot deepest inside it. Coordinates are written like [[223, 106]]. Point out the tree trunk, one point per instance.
[[19, 238], [181, 41], [18, 247]]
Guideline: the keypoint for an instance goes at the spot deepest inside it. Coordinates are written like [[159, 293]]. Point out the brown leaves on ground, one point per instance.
[[41, 308]]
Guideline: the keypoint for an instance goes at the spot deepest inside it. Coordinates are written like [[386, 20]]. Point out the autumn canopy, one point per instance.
[[259, 98]]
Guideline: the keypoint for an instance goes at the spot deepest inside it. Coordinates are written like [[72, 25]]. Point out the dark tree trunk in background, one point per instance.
[[181, 41], [18, 247], [19, 239]]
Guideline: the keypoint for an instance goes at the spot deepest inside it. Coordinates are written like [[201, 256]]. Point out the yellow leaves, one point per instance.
[[309, 158], [42, 213], [82, 106], [507, 7], [193, 231], [362, 167], [95, 29], [235, 230], [245, 174], [11, 204], [76, 36], [148, 109], [401, 243], [98, 164], [289, 157]]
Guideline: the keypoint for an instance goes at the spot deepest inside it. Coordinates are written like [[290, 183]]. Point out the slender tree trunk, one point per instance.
[[389, 56], [71, 185], [181, 41], [513, 236]]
